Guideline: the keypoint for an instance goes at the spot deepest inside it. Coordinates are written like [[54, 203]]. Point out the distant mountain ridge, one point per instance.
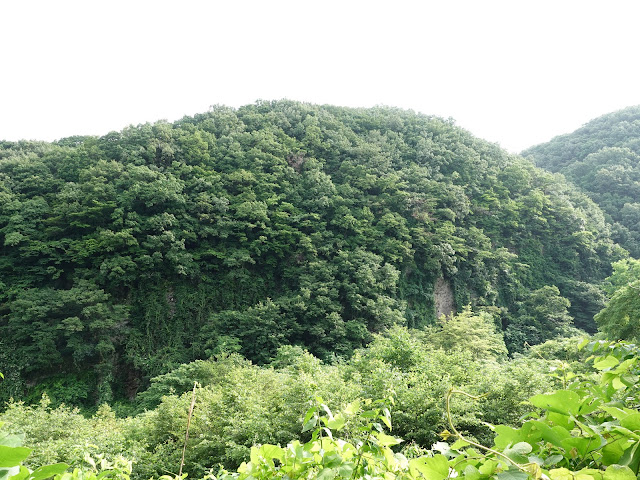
[[603, 159]]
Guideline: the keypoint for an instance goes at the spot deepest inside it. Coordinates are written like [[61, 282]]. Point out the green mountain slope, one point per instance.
[[603, 159], [277, 223]]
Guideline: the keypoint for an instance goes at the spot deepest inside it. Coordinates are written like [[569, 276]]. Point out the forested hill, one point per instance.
[[603, 159], [276, 223]]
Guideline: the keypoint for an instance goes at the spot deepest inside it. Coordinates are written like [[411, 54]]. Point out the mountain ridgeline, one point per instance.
[[276, 223], [603, 159]]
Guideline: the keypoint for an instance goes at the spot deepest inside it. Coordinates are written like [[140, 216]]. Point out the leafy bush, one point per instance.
[[585, 431], [63, 434]]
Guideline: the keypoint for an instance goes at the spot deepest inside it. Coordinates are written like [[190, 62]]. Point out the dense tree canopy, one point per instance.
[[603, 159], [276, 223], [620, 319]]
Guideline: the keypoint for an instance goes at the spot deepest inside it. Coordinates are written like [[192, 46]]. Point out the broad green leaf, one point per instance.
[[537, 460], [345, 470], [603, 363], [458, 444], [554, 435], [309, 424], [471, 473], [583, 344], [12, 440], [21, 475], [518, 452], [632, 422], [561, 401], [255, 455], [589, 404], [272, 451], [386, 421], [326, 474], [512, 474], [618, 472], [631, 458], [552, 460], [310, 413], [74, 476], [626, 365], [352, 408], [589, 474], [618, 413], [629, 380], [560, 474], [12, 456], [385, 440], [332, 460], [47, 471], [6, 473], [337, 422], [561, 420], [433, 468], [612, 452], [581, 444], [626, 432], [488, 467], [386, 417], [522, 448], [506, 436], [617, 383]]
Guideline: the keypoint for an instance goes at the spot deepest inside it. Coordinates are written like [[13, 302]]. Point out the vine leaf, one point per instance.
[[512, 474], [12, 456], [433, 468], [618, 472]]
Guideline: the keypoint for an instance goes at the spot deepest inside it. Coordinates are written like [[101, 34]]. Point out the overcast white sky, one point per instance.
[[515, 72]]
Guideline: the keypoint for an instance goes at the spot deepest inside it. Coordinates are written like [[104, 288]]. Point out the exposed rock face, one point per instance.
[[443, 298]]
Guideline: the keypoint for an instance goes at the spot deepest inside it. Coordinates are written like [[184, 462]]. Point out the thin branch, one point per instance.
[[186, 436], [469, 441]]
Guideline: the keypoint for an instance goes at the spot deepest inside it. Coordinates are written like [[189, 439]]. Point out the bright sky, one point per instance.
[[515, 72]]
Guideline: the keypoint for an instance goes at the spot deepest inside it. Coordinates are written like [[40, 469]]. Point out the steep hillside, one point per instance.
[[603, 159], [277, 223]]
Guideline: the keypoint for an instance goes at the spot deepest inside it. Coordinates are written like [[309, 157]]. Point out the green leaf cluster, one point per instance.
[[587, 431], [239, 404], [620, 319]]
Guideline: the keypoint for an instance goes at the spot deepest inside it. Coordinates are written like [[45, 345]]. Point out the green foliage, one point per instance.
[[620, 318], [586, 427], [327, 457], [239, 405], [181, 380], [63, 435], [279, 223], [119, 469], [625, 272], [13, 455], [473, 333], [587, 430], [602, 158], [544, 314]]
